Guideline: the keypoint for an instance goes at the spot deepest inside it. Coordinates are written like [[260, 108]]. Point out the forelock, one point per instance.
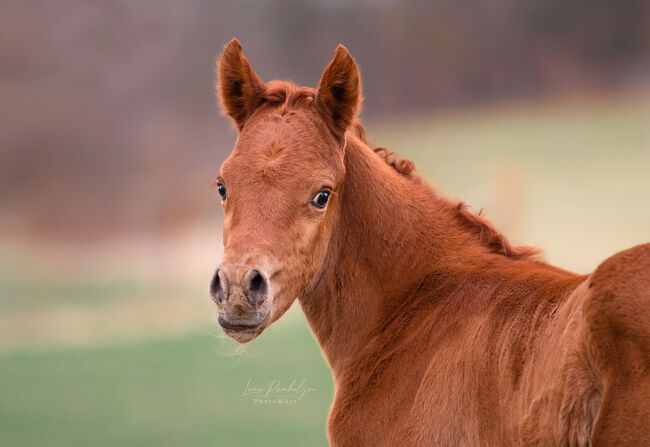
[[288, 96]]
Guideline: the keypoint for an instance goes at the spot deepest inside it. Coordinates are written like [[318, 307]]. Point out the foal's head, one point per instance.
[[280, 187]]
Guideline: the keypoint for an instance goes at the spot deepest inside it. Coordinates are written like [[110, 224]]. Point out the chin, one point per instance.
[[244, 336]]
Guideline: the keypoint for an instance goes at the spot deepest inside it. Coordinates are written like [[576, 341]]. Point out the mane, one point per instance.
[[489, 236], [475, 223], [290, 96], [401, 165]]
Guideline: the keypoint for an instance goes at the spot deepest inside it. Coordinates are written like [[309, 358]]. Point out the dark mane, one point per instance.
[[290, 96]]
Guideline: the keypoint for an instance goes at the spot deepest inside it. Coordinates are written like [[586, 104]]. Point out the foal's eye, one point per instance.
[[320, 199], [222, 190]]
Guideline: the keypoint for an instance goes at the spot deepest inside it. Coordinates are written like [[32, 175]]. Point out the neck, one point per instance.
[[392, 232]]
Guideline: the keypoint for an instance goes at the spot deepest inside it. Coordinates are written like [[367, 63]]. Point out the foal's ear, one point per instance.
[[339, 91], [239, 88]]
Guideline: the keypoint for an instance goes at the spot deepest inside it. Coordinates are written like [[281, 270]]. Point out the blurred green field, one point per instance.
[[112, 357], [183, 390]]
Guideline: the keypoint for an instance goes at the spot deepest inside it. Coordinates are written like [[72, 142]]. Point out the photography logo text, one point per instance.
[[277, 392]]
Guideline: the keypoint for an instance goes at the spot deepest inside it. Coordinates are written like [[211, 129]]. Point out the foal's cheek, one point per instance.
[[304, 253], [316, 243]]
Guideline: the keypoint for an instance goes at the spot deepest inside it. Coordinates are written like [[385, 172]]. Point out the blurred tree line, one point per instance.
[[108, 114]]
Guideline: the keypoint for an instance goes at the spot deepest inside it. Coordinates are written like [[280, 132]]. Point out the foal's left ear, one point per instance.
[[338, 94], [239, 88]]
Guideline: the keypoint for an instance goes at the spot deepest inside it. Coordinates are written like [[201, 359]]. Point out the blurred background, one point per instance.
[[538, 111]]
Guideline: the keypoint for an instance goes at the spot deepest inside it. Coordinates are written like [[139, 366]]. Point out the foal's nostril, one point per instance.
[[256, 280], [257, 286], [217, 288]]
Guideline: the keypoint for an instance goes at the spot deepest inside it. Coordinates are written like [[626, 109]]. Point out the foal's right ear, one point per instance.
[[239, 88]]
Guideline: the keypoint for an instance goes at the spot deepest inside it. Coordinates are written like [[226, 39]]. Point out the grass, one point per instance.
[[165, 392], [23, 293]]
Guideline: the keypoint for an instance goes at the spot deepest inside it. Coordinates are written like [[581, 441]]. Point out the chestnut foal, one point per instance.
[[438, 331]]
